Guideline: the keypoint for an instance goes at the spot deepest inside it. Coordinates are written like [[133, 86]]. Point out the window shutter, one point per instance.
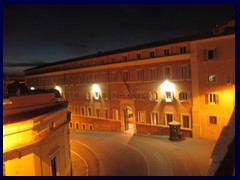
[[206, 98], [180, 96], [187, 72], [217, 99]]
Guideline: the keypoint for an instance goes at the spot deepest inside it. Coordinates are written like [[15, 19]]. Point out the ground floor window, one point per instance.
[[186, 122], [141, 117], [168, 118], [154, 118]]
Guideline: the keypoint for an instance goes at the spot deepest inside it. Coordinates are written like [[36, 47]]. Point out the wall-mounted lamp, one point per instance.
[[167, 90], [96, 91]]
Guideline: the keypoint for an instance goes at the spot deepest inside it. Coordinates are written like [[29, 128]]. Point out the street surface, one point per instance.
[[96, 153]]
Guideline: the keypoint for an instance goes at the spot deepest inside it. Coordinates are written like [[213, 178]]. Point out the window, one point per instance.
[[166, 52], [70, 108], [167, 72], [153, 74], [76, 110], [97, 112], [184, 71], [113, 76], [212, 78], [210, 54], [153, 96], [140, 95], [168, 96], [125, 58], [96, 95], [53, 166], [140, 75], [88, 95], [212, 99], [82, 111], [184, 96], [168, 118], [104, 95], [83, 126], [154, 118], [105, 113], [81, 95], [89, 110], [126, 76], [90, 127], [212, 119], [152, 54], [186, 121], [141, 117], [77, 126], [115, 114], [183, 49], [139, 56]]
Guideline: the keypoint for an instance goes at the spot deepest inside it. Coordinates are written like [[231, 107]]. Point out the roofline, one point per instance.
[[206, 35]]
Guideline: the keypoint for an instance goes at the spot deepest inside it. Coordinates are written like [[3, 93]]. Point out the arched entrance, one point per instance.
[[128, 119]]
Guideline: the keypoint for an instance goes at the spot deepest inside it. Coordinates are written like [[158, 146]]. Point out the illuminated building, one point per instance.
[[36, 136], [125, 88]]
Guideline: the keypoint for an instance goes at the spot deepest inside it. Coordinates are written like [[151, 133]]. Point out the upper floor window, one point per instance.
[[168, 96], [212, 98], [212, 119], [126, 76], [139, 56], [140, 95], [212, 78], [153, 74], [153, 96], [166, 52], [113, 76], [125, 58], [167, 72], [184, 71], [210, 54], [184, 96], [88, 95], [183, 49], [140, 75], [152, 54]]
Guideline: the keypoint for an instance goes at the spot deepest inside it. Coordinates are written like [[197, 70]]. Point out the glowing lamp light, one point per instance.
[[96, 91], [32, 88], [59, 89], [167, 86]]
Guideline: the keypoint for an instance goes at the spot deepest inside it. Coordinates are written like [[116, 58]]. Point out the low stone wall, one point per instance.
[[93, 123]]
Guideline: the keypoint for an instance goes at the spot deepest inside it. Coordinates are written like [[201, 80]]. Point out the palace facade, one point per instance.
[[143, 88]]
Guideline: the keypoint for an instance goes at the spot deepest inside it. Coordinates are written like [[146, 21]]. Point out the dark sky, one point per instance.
[[36, 34]]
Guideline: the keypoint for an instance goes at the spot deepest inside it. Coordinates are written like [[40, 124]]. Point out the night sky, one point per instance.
[[38, 34]]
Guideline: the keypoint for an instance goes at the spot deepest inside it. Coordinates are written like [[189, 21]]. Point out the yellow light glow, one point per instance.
[[32, 88], [59, 89], [167, 87], [95, 88]]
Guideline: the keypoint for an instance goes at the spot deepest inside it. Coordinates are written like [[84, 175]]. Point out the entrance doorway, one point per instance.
[[128, 119]]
